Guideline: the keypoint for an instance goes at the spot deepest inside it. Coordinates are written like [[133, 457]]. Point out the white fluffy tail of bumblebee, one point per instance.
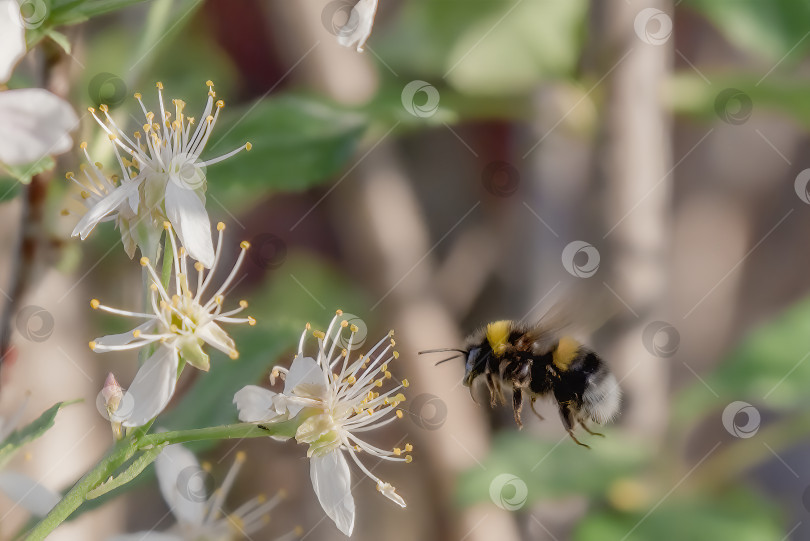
[[602, 399]]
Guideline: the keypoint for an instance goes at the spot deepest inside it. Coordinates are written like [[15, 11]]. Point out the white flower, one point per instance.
[[35, 122], [200, 516], [164, 176], [340, 399], [27, 493], [181, 323], [358, 28]]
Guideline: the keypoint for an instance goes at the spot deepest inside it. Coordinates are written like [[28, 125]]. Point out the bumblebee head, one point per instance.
[[476, 363]]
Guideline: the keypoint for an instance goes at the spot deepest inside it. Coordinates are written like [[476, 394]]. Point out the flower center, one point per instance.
[[322, 434]]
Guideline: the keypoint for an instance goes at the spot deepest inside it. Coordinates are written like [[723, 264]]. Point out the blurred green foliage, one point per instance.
[[29, 432]]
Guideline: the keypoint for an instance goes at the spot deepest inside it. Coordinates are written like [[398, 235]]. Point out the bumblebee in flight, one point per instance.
[[536, 361]]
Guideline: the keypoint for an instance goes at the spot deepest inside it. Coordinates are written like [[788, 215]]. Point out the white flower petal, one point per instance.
[[108, 204], [182, 483], [213, 335], [190, 220], [35, 124], [12, 37], [27, 493], [331, 480], [388, 490], [123, 338], [151, 389], [358, 28], [303, 371], [255, 404]]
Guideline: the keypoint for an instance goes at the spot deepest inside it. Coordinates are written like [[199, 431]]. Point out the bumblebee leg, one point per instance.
[[493, 390], [517, 405], [535, 411], [571, 433], [589, 431]]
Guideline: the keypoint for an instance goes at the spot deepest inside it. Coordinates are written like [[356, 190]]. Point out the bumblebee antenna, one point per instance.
[[448, 359], [441, 350]]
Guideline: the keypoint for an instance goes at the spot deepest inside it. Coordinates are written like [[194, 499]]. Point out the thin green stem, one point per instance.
[[126, 448]]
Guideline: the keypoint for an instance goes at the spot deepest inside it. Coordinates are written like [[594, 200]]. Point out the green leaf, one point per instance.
[[65, 12], [24, 173], [551, 469], [485, 47], [772, 29], [29, 433], [129, 474], [9, 188], [737, 515], [297, 143], [771, 366]]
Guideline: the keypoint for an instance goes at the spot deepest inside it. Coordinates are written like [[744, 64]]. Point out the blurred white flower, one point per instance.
[[35, 122], [200, 516], [181, 322], [358, 28], [24, 491], [338, 399], [164, 177]]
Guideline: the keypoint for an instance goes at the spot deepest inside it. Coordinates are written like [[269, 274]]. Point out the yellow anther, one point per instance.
[[352, 380], [308, 326], [207, 467], [137, 95], [153, 287], [220, 226], [159, 85], [219, 299], [83, 145], [209, 82], [112, 137], [318, 334], [198, 266], [241, 456], [136, 333], [103, 108], [397, 451], [94, 304], [261, 498], [399, 397], [64, 212], [343, 352], [92, 345], [136, 135], [91, 110], [248, 146], [408, 459], [174, 328], [243, 303], [298, 531], [395, 354], [251, 321], [393, 343], [405, 383], [244, 245], [167, 225], [344, 323], [144, 261], [378, 383], [399, 414], [384, 367], [391, 333], [220, 104], [387, 374], [408, 447], [209, 119], [69, 175], [233, 354], [353, 328], [339, 312]]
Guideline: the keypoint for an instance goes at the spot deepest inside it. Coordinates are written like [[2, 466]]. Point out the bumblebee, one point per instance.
[[537, 361]]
